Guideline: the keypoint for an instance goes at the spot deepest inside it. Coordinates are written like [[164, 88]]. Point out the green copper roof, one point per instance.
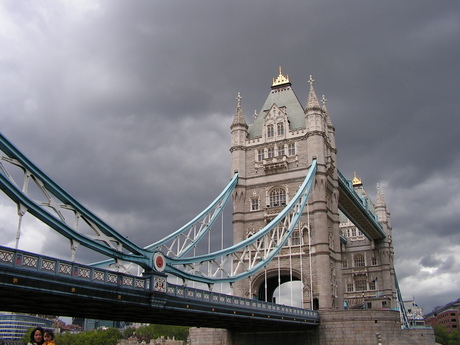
[[282, 96]]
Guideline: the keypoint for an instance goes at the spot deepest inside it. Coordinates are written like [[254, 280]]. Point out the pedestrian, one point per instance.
[[36, 336], [48, 337]]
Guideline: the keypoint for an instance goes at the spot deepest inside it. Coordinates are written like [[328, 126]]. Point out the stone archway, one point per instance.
[[273, 282]]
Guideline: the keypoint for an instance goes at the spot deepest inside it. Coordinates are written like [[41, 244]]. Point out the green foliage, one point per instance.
[[128, 332], [96, 337], [26, 337], [444, 338], [454, 338], [112, 335], [155, 331]]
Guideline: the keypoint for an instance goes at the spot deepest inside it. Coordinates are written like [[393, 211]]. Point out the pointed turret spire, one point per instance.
[[323, 101], [312, 103], [238, 118], [380, 198]]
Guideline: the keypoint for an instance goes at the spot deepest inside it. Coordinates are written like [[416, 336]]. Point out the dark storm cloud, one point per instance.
[[128, 105]]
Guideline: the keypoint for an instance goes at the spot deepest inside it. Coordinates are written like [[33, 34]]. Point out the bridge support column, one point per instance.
[[209, 336]]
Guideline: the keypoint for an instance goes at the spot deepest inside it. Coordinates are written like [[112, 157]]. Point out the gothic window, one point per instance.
[[361, 285], [281, 150], [295, 238], [353, 232], [372, 285], [271, 152], [270, 131], [349, 287], [277, 197], [254, 204], [291, 149], [374, 261], [260, 155], [359, 260], [280, 128], [345, 264]]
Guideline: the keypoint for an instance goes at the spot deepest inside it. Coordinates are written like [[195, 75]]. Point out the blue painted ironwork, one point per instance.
[[210, 268], [53, 269], [250, 255], [402, 309], [107, 240]]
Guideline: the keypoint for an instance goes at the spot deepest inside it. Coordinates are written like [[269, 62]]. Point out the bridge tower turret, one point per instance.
[[272, 157], [239, 133], [320, 138]]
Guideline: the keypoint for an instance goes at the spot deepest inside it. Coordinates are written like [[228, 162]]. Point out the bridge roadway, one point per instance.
[[38, 284]]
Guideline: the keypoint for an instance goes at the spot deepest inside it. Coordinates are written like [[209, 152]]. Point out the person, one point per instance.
[[48, 337], [36, 336]]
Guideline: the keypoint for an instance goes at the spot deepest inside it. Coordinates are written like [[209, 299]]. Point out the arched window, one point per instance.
[[359, 260], [270, 131], [277, 197], [280, 127]]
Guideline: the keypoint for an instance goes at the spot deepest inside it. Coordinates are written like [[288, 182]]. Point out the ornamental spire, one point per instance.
[[323, 101], [281, 79], [356, 181], [312, 103], [238, 118], [380, 198]]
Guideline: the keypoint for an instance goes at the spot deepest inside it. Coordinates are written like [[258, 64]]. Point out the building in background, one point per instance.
[[414, 313], [13, 326], [446, 316], [90, 324]]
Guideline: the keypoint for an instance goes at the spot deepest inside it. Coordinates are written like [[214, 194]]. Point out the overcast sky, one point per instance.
[[127, 105]]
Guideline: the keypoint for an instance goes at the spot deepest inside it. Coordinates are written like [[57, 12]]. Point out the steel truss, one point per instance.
[[173, 254]]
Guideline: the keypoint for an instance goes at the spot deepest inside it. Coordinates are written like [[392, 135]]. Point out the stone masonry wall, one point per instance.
[[337, 327], [369, 327]]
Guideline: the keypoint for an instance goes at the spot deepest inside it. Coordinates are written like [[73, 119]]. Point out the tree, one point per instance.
[[441, 335], [26, 337], [109, 336], [128, 332], [454, 338]]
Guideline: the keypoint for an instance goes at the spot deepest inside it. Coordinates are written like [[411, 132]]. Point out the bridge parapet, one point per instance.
[[155, 285]]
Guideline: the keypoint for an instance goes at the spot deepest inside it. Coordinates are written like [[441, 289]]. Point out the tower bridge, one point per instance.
[[295, 218]]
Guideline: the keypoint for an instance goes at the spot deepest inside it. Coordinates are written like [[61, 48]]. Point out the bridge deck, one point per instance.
[[37, 284]]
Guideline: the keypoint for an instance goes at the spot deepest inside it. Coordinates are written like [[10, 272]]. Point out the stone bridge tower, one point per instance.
[[272, 157]]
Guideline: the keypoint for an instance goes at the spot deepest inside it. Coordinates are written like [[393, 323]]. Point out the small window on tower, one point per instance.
[[260, 155], [291, 149], [281, 150], [277, 197], [280, 127], [359, 260], [254, 204], [271, 152], [270, 131]]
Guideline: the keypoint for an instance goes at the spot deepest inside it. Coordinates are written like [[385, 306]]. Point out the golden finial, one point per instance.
[[356, 181], [281, 79]]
